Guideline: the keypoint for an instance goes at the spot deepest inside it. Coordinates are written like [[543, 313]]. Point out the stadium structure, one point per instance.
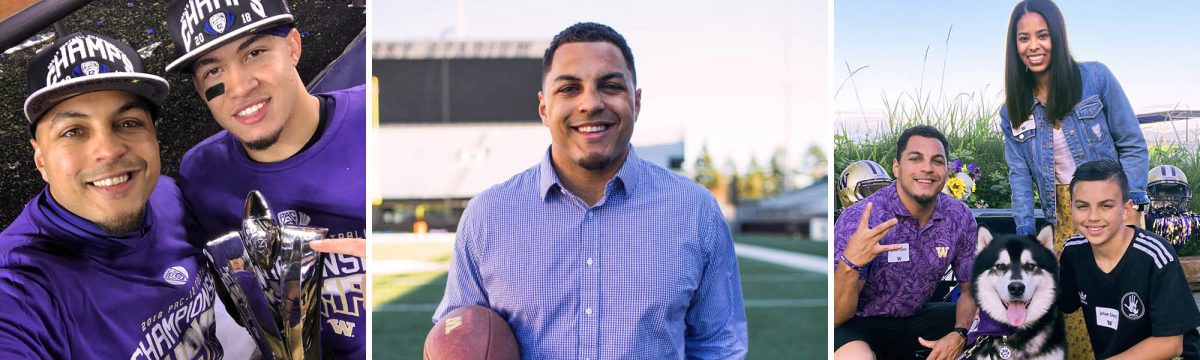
[[800, 213], [454, 118]]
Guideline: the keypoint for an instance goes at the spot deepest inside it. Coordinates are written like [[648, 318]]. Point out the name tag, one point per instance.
[[900, 255], [1107, 317]]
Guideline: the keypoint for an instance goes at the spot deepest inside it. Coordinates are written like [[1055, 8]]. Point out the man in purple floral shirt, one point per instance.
[[891, 249]]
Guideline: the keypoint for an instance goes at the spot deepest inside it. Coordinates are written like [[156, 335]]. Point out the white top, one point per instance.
[[1064, 165]]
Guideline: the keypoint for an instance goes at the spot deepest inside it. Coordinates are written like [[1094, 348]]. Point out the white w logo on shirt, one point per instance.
[[342, 327]]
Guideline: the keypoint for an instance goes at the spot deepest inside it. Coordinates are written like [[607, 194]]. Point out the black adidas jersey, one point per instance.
[[1145, 295]]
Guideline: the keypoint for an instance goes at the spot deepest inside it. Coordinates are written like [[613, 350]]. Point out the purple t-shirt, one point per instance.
[[322, 186], [68, 290], [899, 288]]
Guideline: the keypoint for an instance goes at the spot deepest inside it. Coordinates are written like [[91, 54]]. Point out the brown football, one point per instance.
[[471, 332]]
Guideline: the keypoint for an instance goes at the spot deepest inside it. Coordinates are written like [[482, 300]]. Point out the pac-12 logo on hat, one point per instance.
[[176, 275], [84, 62], [88, 68], [217, 23], [199, 26], [86, 54]]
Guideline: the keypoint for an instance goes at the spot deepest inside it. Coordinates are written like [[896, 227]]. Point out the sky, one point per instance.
[[1150, 46], [725, 74]]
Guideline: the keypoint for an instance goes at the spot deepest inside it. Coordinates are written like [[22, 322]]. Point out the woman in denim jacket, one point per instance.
[[1059, 114], [1049, 91]]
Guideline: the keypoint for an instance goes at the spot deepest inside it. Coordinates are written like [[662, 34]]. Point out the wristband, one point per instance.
[[961, 331], [862, 270]]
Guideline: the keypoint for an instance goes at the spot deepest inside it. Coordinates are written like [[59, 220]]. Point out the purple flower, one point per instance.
[[955, 166], [974, 172]]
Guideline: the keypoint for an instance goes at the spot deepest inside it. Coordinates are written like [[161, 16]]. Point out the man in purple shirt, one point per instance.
[[891, 249], [304, 152], [99, 264]]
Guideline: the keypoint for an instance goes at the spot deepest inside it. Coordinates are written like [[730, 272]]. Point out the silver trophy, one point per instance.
[[274, 280]]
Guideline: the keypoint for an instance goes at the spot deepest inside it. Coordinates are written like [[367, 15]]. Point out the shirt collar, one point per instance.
[[78, 232], [625, 182]]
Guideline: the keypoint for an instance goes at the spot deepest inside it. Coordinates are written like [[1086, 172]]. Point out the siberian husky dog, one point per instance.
[[1015, 282]]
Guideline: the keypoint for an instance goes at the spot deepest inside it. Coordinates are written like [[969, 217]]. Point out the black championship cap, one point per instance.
[[84, 62], [198, 26]]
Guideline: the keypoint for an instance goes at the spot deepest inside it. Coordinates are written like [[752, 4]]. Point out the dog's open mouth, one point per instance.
[[1016, 312]]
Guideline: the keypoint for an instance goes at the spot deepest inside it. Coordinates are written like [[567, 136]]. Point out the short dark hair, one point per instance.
[[1066, 84], [1102, 170], [922, 131], [588, 32]]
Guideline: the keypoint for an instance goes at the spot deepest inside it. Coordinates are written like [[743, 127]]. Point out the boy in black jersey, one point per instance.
[[1134, 296]]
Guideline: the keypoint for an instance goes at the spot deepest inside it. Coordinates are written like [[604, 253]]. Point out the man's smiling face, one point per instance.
[[590, 103], [246, 85], [921, 169], [99, 154]]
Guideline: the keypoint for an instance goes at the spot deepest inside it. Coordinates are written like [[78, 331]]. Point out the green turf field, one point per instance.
[[786, 308], [819, 248]]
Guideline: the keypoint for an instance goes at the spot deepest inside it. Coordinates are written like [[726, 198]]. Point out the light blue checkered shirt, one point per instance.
[[649, 272]]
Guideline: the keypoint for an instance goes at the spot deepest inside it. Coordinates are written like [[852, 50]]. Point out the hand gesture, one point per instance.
[[864, 245]]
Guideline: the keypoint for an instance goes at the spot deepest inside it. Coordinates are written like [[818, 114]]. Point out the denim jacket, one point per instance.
[[1102, 126]]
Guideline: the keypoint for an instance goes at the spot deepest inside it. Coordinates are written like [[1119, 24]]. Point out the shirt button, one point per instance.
[[589, 261], [588, 311], [591, 214]]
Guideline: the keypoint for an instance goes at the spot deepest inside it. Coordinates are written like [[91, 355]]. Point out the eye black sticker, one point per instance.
[[214, 91]]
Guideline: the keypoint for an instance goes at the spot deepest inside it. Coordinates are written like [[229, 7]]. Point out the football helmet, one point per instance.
[[1168, 188], [859, 180]]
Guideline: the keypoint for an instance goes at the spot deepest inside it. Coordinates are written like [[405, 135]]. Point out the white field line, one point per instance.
[[790, 259]]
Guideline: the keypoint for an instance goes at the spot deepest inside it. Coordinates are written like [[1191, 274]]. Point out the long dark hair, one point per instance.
[[1066, 85]]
